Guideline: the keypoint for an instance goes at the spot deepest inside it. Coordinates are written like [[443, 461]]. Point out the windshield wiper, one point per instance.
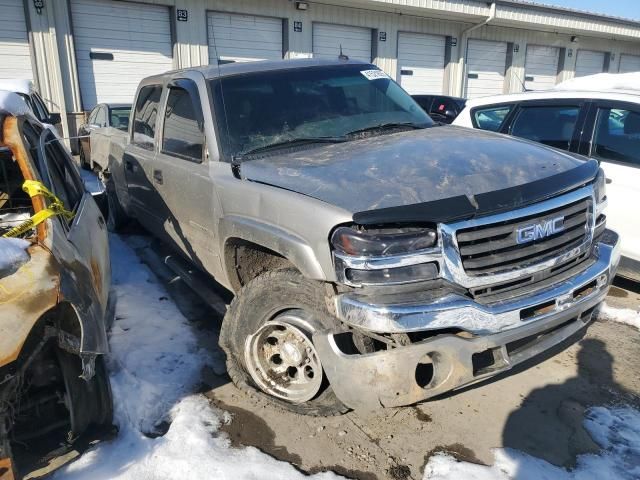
[[386, 126], [292, 142]]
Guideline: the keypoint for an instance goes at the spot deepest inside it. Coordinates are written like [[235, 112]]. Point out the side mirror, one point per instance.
[[54, 118], [450, 114]]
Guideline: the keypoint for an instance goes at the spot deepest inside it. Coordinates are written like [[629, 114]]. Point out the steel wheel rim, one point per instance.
[[282, 360]]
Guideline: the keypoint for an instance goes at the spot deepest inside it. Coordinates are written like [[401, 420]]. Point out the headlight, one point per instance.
[[380, 243], [385, 256]]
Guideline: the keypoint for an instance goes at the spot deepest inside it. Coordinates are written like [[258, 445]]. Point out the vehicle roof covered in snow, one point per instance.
[[24, 87], [13, 104]]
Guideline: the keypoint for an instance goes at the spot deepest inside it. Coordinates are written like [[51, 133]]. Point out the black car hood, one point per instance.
[[434, 174]]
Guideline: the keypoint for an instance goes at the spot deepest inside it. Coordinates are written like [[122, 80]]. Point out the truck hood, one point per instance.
[[442, 173]]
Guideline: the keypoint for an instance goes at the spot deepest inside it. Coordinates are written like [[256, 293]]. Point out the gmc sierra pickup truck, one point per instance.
[[377, 260]]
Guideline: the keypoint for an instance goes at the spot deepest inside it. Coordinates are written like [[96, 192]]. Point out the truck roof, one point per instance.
[[228, 69]]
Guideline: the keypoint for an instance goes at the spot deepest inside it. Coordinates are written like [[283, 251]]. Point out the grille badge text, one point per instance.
[[537, 231]]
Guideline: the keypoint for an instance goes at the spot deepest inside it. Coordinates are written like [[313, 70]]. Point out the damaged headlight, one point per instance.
[[385, 255]]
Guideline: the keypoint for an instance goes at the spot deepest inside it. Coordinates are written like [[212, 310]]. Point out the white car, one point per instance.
[[598, 117]]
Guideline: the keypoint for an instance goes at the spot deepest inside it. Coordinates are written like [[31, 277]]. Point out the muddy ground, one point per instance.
[[537, 408]]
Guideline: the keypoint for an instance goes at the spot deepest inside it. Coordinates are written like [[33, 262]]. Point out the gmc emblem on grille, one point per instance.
[[536, 231]]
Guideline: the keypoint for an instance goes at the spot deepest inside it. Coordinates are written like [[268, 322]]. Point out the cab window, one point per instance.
[[145, 116], [617, 136], [551, 125], [182, 136], [491, 118]]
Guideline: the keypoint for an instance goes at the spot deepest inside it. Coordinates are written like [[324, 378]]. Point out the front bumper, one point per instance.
[[498, 336]]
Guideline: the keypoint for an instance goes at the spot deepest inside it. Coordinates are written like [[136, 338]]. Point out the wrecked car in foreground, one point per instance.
[[54, 298], [376, 261]]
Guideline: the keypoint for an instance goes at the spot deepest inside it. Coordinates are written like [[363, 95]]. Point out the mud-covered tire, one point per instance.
[[260, 301], [117, 218]]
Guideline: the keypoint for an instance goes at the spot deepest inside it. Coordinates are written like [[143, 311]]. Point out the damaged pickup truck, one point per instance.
[[54, 298], [377, 259]]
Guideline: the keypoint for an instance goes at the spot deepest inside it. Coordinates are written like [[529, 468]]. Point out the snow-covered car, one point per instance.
[[596, 116], [29, 93], [55, 302]]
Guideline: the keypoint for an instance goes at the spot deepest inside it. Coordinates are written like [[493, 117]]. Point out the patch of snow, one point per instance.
[[13, 104], [603, 82], [616, 431], [17, 85], [622, 315], [13, 253], [91, 182], [155, 363]]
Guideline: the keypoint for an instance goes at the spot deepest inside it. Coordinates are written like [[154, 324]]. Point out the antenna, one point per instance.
[[524, 87], [342, 56]]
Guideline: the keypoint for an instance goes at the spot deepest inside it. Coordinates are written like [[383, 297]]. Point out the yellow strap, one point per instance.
[[33, 188]]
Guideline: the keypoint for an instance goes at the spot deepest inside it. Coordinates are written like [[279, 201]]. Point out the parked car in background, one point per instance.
[[441, 108], [28, 92], [55, 302], [376, 261], [603, 123], [104, 121]]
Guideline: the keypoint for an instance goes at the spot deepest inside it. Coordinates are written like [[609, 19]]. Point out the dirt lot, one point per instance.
[[538, 411]]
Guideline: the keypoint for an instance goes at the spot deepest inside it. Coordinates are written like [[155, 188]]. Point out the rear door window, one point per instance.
[[101, 117], [491, 118], [552, 125], [146, 116], [617, 136]]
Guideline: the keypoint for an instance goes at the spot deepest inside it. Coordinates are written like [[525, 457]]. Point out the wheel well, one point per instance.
[[246, 260]]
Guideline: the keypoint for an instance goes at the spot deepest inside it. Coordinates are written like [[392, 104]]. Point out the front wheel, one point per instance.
[[267, 336]]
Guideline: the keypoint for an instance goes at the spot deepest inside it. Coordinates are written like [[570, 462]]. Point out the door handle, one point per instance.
[[608, 181], [157, 176], [128, 165]]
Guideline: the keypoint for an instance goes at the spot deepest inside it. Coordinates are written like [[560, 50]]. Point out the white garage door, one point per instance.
[[243, 38], [589, 63], [629, 63], [15, 57], [485, 68], [117, 45], [541, 67], [355, 41], [421, 62]]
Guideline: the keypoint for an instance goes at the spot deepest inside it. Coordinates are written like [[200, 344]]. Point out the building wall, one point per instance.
[[56, 71]]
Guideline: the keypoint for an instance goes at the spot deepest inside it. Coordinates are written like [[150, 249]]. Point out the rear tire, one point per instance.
[[117, 218], [278, 309]]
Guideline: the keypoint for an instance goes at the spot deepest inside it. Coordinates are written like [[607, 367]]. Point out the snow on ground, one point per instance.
[[91, 182], [13, 253], [155, 363], [616, 431], [622, 315]]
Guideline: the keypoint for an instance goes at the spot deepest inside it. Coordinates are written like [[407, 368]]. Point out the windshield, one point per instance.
[[264, 108], [120, 117]]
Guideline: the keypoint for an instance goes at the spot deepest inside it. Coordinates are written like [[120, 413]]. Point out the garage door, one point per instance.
[[243, 38], [117, 45], [421, 62], [541, 67], [589, 63], [15, 57], [355, 41], [629, 63], [485, 68]]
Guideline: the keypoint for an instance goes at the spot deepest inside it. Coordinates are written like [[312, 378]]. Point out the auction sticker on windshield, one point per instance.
[[374, 74]]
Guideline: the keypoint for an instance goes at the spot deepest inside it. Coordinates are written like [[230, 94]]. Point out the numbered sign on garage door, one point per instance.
[[486, 63], [243, 38], [355, 41], [15, 57], [629, 63], [541, 67], [117, 45], [421, 62], [589, 63]]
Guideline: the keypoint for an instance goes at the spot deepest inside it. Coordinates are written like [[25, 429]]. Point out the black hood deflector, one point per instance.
[[463, 207]]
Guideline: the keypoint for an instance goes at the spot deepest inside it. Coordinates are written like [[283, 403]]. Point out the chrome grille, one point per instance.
[[494, 248]]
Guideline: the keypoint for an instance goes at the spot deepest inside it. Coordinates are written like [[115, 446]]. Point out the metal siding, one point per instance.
[[486, 59], [328, 39], [542, 64], [423, 56], [138, 36], [589, 62], [629, 63], [15, 55], [243, 38]]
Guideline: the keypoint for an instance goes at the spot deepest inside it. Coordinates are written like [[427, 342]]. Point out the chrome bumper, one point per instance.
[[501, 338]]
